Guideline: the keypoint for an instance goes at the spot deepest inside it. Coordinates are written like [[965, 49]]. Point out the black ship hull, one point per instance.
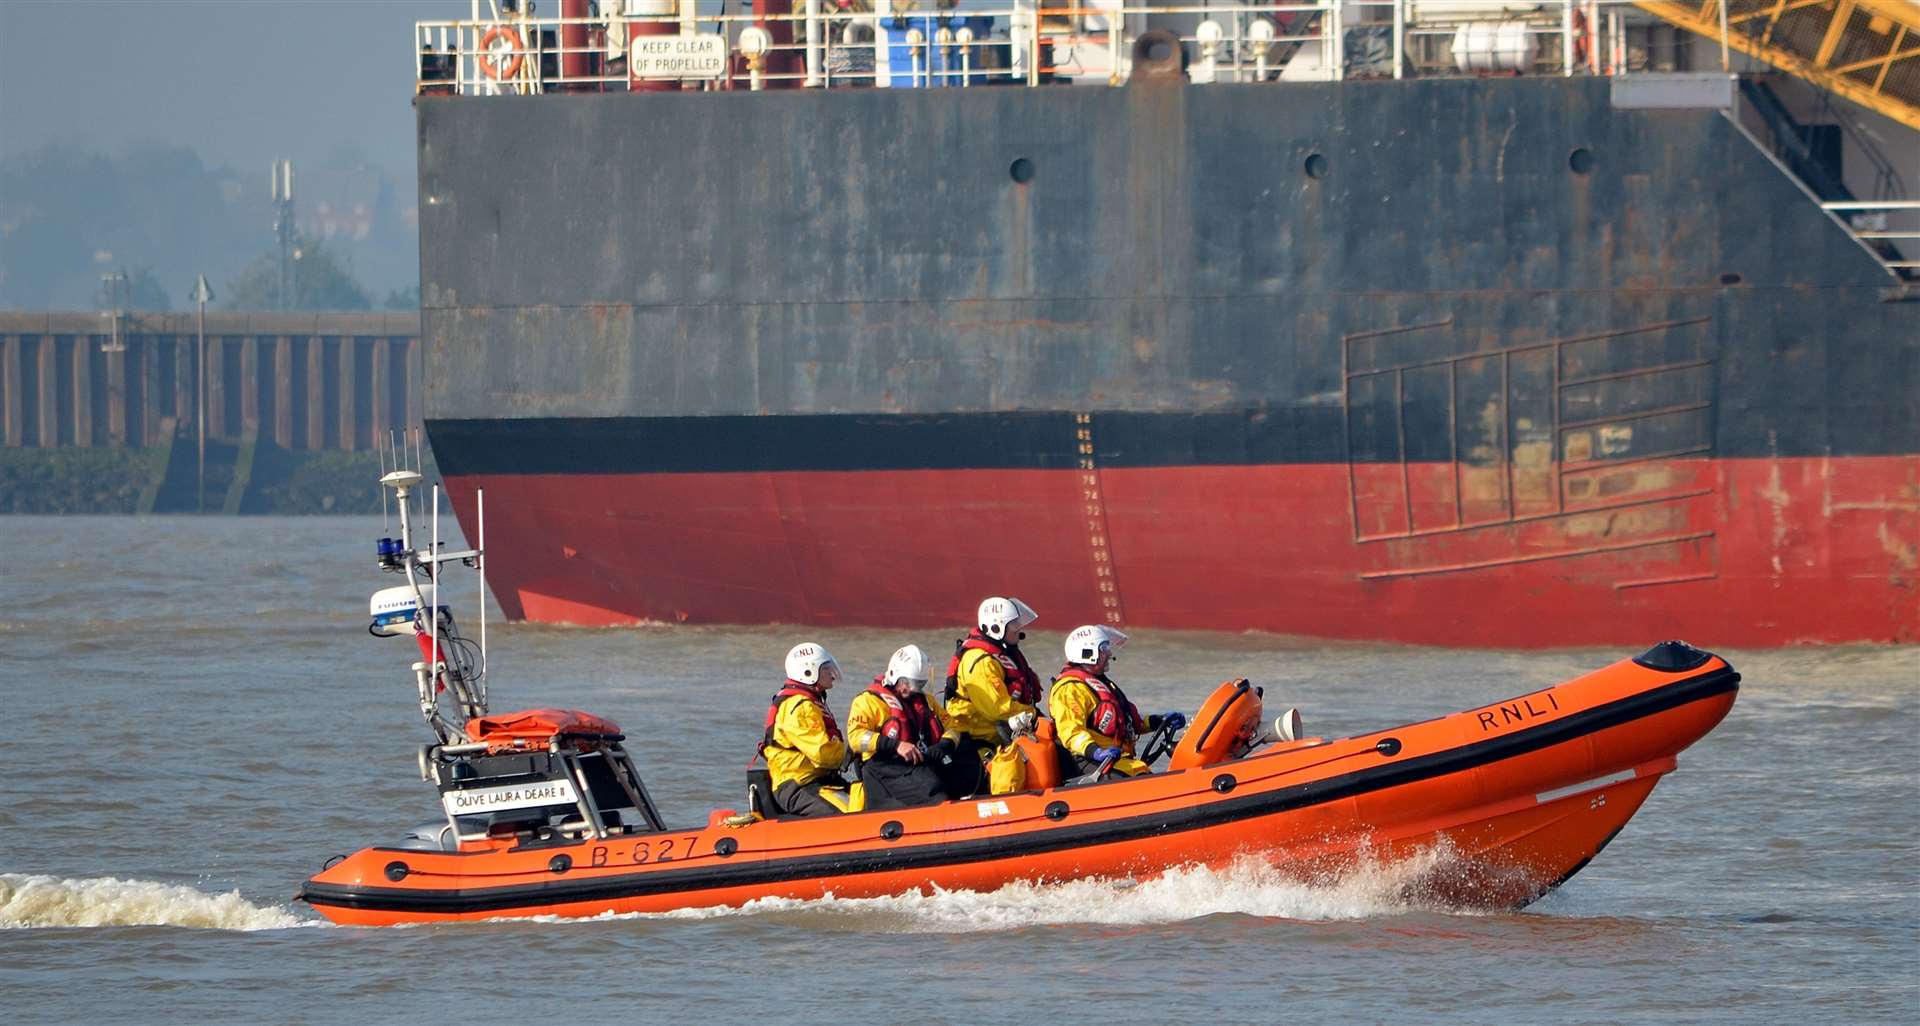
[[1364, 359]]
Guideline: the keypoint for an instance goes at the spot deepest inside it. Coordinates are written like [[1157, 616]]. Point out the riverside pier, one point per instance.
[[101, 412]]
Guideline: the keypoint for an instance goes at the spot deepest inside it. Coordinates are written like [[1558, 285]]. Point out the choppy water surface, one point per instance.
[[195, 716]]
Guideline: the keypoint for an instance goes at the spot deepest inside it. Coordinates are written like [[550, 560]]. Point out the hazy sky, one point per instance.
[[241, 81]]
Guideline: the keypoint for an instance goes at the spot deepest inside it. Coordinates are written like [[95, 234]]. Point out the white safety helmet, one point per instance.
[[1005, 618], [1085, 644], [909, 664], [811, 663]]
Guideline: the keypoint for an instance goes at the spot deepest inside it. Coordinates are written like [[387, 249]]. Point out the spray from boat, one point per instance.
[[1248, 887], [29, 901]]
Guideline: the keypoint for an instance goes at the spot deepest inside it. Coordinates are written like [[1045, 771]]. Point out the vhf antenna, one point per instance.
[[480, 564], [386, 524], [433, 611]]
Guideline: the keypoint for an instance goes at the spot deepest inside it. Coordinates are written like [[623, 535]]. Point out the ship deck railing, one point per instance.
[[696, 45], [1889, 228]]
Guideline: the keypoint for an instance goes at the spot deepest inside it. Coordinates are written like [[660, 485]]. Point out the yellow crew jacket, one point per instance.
[[981, 701], [803, 750], [869, 715], [1071, 701]]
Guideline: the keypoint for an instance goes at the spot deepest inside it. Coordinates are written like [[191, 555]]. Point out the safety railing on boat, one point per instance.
[[647, 45]]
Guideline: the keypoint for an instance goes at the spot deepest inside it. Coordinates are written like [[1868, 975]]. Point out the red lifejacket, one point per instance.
[[912, 721], [1112, 714], [792, 688], [1022, 683]]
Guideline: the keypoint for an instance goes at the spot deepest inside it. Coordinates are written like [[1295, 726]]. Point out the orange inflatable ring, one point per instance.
[[1223, 729], [490, 63], [1582, 38]]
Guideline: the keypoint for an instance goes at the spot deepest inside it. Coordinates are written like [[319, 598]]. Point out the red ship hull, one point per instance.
[[1725, 552]]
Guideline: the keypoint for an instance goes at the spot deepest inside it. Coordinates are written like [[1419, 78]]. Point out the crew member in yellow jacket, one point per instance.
[[803, 746], [991, 691], [906, 759], [1095, 722]]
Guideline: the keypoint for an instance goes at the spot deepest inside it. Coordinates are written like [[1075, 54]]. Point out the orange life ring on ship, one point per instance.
[[490, 63], [1582, 38]]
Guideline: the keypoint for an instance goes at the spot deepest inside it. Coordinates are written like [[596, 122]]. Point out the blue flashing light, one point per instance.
[[391, 552]]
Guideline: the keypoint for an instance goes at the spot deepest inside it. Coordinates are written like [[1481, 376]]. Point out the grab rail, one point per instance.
[[643, 45], [1874, 222]]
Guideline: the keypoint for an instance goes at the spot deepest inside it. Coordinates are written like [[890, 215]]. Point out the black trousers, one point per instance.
[[795, 799], [947, 774], [892, 784], [967, 771]]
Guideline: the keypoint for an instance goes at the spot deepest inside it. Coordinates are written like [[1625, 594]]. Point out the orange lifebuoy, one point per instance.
[[490, 63]]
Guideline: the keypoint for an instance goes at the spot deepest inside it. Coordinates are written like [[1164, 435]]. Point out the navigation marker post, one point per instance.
[[202, 295]]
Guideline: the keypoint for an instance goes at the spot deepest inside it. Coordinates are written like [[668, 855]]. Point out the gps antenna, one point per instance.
[[385, 523]]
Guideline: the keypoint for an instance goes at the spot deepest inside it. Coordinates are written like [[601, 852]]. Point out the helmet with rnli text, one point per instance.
[[1004, 618], [810, 663], [1085, 644], [909, 664]]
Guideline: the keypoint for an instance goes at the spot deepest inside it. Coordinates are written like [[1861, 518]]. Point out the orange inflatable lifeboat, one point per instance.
[[546, 814]]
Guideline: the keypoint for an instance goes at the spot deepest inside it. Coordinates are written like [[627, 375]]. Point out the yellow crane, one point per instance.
[[1865, 50]]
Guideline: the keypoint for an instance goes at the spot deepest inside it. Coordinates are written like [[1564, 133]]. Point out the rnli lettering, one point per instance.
[[1517, 711], [514, 796]]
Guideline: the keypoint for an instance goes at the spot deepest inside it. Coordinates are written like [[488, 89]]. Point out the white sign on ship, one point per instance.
[[702, 55], [512, 796]]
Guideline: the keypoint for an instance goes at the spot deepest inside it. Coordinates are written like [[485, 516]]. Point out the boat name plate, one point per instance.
[[512, 796]]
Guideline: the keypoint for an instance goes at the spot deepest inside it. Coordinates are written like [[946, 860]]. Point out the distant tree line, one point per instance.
[[319, 282], [71, 217]]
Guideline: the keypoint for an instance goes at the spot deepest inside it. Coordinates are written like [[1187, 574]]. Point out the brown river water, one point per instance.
[[194, 717]]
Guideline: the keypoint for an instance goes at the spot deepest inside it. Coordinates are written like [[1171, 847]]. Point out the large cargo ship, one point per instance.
[[1535, 356]]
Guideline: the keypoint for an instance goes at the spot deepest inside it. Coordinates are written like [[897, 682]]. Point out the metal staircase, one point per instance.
[[1876, 223]]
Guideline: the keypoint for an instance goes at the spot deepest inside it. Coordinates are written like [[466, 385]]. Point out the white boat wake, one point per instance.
[[1250, 887], [32, 901]]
